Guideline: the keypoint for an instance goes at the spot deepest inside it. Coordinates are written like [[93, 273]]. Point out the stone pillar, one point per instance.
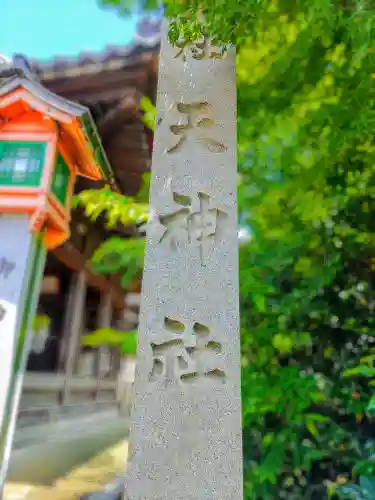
[[73, 329], [186, 437]]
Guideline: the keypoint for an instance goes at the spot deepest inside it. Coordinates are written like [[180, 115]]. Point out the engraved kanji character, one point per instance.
[[199, 50], [198, 123], [186, 355], [193, 225]]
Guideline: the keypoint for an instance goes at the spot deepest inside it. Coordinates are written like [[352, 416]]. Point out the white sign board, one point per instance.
[[16, 245]]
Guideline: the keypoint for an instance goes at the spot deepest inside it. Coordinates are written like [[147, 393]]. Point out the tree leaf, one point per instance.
[[360, 370]]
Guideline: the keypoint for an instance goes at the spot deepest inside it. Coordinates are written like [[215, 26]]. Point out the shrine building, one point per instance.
[[67, 386]]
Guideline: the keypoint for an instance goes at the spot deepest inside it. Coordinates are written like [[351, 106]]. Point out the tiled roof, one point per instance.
[[146, 40]]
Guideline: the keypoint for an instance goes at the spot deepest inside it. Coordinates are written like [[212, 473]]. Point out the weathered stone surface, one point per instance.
[[186, 436]]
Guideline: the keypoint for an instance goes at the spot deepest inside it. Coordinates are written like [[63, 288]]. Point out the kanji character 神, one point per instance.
[[192, 225]]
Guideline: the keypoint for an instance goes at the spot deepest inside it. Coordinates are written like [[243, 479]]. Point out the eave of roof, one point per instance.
[[112, 58], [24, 79]]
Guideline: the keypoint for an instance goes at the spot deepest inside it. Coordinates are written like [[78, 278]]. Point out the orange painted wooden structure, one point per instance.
[[29, 116]]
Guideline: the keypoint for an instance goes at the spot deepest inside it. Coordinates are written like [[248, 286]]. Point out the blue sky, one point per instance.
[[43, 29]]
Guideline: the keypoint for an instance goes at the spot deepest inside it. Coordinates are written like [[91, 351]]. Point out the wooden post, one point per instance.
[[103, 321], [125, 392], [73, 329], [186, 436]]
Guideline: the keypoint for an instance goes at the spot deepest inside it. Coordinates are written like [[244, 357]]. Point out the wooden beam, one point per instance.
[[75, 261], [104, 95], [129, 161], [86, 84], [130, 182], [125, 110]]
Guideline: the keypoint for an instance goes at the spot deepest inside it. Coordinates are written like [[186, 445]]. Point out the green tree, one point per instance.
[[305, 72], [117, 254]]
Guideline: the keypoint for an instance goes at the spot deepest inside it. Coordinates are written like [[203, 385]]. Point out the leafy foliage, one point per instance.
[[306, 128], [305, 72], [120, 255], [117, 208], [127, 7], [125, 341], [116, 254], [364, 491], [306, 110], [40, 322], [149, 113]]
